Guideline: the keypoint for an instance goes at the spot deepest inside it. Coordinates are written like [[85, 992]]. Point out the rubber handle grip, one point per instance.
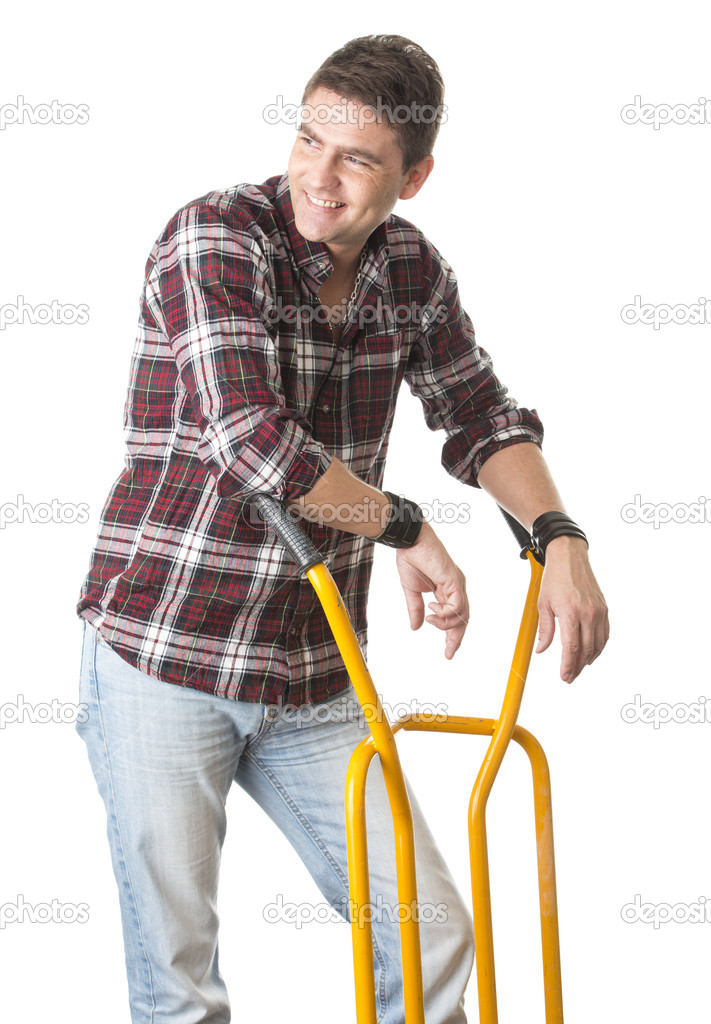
[[292, 536], [523, 538]]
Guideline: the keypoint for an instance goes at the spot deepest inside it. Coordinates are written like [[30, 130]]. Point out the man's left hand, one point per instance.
[[570, 593]]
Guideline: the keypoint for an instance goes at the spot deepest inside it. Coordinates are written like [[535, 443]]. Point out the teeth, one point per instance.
[[324, 202]]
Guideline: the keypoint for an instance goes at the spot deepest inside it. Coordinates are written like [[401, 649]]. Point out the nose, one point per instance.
[[323, 174]]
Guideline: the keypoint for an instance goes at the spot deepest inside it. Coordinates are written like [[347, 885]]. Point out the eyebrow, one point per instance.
[[366, 154]]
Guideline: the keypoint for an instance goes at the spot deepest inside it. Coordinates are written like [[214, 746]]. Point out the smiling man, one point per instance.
[[268, 360]]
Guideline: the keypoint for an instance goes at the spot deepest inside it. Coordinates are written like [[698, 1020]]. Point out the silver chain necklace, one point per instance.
[[351, 300]]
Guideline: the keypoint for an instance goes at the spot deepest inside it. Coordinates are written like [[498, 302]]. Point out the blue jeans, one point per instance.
[[164, 758]]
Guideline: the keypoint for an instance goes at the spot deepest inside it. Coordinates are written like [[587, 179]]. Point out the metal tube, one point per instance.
[[481, 890], [386, 747]]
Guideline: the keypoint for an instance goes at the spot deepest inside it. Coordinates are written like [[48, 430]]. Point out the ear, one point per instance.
[[416, 177]]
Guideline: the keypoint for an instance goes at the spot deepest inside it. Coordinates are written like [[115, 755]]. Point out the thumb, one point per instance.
[[546, 628]]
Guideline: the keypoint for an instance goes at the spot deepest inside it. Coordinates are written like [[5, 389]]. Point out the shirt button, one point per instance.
[[325, 408], [322, 266], [293, 631]]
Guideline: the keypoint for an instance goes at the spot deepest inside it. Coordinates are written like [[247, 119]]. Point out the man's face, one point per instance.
[[351, 162]]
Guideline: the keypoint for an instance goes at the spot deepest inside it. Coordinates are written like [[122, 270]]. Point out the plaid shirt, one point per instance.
[[237, 387]]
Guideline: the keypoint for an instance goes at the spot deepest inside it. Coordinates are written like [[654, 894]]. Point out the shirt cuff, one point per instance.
[[464, 460], [280, 458]]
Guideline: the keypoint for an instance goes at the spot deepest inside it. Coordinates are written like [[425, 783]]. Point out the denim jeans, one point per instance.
[[164, 758]]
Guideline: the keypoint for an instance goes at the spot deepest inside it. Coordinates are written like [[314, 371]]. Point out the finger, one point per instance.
[[602, 634], [587, 628], [447, 619], [455, 635], [453, 641], [415, 607], [570, 643], [546, 628], [454, 621], [594, 632], [449, 614]]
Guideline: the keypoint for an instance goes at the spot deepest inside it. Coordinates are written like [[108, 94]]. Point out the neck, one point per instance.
[[345, 263]]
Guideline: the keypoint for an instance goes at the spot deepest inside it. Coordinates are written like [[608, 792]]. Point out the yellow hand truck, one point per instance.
[[381, 741]]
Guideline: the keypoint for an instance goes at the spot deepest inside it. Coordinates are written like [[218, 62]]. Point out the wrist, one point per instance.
[[566, 545], [426, 536]]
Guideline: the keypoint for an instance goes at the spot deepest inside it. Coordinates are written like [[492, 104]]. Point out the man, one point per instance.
[[198, 633]]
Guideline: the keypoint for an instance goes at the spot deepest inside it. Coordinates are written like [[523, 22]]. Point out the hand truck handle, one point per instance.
[[275, 515]]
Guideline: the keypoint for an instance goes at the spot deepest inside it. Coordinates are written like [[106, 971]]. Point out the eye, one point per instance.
[[358, 163]]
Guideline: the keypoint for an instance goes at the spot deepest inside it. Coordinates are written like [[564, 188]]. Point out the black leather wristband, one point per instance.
[[551, 525], [405, 520]]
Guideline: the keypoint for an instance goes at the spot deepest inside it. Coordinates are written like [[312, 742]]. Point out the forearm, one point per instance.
[[340, 499], [518, 479]]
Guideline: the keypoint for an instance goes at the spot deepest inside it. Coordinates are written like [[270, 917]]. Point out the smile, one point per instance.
[[326, 204]]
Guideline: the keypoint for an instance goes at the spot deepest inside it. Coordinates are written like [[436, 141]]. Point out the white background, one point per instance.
[[554, 213]]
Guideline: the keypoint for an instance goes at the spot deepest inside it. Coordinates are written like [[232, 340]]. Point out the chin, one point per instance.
[[310, 236]]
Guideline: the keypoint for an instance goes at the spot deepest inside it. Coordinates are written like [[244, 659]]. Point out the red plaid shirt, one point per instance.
[[236, 387]]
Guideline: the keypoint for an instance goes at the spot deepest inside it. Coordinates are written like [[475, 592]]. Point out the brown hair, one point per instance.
[[395, 77]]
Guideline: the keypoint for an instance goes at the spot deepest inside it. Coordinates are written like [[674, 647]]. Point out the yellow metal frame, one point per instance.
[[382, 742]]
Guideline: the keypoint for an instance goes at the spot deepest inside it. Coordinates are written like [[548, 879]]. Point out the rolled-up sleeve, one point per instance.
[[207, 284], [455, 381]]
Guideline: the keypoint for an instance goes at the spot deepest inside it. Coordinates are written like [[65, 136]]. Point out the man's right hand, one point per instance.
[[426, 567]]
